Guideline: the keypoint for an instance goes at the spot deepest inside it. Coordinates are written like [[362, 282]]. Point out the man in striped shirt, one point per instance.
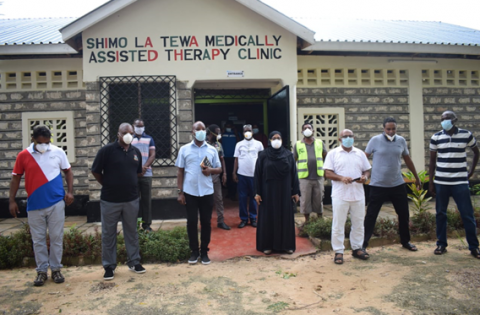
[[448, 160]]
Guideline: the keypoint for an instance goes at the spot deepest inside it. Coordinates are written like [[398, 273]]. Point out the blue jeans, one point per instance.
[[461, 195], [245, 195]]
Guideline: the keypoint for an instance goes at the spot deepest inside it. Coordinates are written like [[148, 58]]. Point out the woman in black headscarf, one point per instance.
[[276, 184]]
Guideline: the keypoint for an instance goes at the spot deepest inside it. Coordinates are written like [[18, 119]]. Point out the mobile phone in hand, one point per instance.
[[355, 179]]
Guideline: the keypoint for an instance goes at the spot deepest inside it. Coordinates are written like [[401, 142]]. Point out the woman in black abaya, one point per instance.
[[276, 184]]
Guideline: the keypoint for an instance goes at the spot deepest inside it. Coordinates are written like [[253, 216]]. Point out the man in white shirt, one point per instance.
[[246, 154], [349, 169]]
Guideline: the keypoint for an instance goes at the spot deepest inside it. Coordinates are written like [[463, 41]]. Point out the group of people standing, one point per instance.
[[271, 180]]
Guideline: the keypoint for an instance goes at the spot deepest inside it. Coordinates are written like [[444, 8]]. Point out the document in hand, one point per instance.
[[206, 162]]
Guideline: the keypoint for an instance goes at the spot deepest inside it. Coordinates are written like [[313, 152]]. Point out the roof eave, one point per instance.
[[78, 26], [394, 47], [37, 49], [280, 19]]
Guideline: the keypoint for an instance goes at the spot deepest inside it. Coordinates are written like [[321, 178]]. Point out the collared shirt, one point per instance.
[[247, 153], [451, 156], [351, 164], [120, 169], [144, 143], [387, 160], [311, 158], [43, 178], [189, 158], [229, 140]]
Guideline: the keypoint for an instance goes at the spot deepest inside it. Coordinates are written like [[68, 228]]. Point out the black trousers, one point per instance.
[[204, 206], [231, 185], [398, 196]]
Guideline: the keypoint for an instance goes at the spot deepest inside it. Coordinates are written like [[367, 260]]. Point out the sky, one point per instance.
[[459, 12]]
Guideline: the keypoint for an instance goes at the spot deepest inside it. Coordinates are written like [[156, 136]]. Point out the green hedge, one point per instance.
[[160, 246]]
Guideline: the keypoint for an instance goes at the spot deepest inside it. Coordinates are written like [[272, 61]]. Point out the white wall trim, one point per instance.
[[37, 49]]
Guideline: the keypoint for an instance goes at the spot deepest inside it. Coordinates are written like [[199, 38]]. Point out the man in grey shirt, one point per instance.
[[387, 182]]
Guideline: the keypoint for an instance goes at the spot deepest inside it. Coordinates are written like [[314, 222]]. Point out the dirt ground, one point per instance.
[[393, 281]]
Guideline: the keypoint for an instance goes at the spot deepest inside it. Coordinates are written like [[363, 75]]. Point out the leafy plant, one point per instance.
[[475, 189], [423, 176], [277, 307], [387, 228], [418, 196]]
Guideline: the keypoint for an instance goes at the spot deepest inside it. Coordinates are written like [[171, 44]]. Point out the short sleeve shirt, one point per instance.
[[311, 158], [387, 165], [229, 140], [351, 164], [144, 143], [189, 158], [43, 178], [247, 153], [451, 165], [120, 169]]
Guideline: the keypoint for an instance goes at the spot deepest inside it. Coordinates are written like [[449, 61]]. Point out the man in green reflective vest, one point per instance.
[[310, 154]]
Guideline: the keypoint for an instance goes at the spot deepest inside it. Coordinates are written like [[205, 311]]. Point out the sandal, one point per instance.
[[410, 247], [360, 254], [338, 258], [440, 250], [475, 253]]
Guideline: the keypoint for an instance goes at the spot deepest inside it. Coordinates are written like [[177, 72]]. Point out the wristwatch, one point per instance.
[[179, 190]]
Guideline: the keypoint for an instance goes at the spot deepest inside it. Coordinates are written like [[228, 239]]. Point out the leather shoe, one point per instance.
[[253, 223], [222, 225], [242, 224]]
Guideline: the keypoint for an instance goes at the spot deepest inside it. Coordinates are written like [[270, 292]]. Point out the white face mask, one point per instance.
[[42, 147], [391, 138], [139, 130], [219, 137], [248, 135], [308, 133], [276, 144], [127, 138]]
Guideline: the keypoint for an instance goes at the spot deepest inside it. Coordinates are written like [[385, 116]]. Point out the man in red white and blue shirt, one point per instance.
[[42, 163], [448, 161]]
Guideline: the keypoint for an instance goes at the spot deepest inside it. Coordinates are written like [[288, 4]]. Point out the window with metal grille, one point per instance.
[[152, 98], [327, 123]]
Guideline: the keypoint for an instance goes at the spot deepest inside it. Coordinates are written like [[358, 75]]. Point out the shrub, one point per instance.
[[386, 228], [319, 227], [422, 222], [169, 246], [15, 247], [454, 220]]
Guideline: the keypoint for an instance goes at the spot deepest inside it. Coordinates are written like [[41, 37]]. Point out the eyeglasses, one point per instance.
[[345, 137]]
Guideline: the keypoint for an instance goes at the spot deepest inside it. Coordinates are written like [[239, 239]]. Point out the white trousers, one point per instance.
[[340, 210]]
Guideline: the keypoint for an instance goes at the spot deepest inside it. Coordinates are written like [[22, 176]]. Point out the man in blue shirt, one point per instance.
[[195, 189], [146, 145], [229, 141]]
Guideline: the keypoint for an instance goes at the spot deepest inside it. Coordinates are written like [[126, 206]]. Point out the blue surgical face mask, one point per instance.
[[200, 135], [447, 124], [255, 131], [347, 142]]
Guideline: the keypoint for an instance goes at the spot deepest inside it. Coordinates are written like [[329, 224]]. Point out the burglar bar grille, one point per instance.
[[151, 98]]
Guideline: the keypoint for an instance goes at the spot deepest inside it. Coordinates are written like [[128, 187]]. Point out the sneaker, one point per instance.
[[205, 259], [57, 276], [108, 275], [137, 268], [41, 278], [194, 257]]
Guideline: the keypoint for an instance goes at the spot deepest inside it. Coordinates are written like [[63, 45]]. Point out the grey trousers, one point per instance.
[[112, 212], [52, 218], [218, 198], [311, 199], [145, 192]]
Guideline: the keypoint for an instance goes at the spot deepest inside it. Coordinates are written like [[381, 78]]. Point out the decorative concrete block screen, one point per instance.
[[324, 77], [459, 78], [61, 124], [327, 123], [41, 80]]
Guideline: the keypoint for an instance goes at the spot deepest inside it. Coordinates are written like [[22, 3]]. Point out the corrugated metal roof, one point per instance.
[[46, 30], [32, 31], [412, 32]]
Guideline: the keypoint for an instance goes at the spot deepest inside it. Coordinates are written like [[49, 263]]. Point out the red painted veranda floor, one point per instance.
[[242, 242]]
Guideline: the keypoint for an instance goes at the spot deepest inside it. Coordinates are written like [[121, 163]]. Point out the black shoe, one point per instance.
[[57, 276], [222, 225], [253, 223], [108, 275], [205, 259], [137, 268], [194, 257], [41, 278], [147, 228], [242, 224]]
